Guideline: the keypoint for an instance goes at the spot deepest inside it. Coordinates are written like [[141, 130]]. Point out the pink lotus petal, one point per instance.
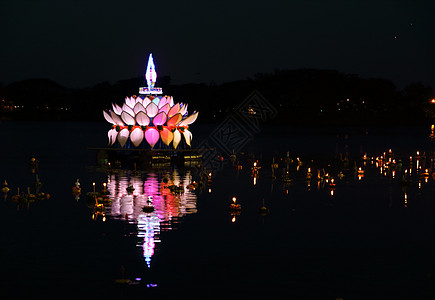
[[138, 107], [146, 101], [112, 134], [160, 118], [117, 109], [127, 118], [130, 102], [174, 110], [152, 110], [165, 108], [108, 118], [116, 119], [136, 136], [152, 136], [142, 119], [127, 109], [163, 101]]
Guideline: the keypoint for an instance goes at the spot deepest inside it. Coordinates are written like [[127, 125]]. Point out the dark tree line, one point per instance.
[[303, 96]]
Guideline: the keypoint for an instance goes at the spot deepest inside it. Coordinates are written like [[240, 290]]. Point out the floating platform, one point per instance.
[[148, 158]]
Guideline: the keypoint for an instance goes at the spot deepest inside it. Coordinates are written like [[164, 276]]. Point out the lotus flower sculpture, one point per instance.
[[149, 119]]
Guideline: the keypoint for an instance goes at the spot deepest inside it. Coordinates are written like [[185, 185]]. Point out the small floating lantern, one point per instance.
[[309, 174], [76, 189], [286, 178], [360, 173], [234, 206], [255, 168], [331, 184], [5, 188], [263, 210]]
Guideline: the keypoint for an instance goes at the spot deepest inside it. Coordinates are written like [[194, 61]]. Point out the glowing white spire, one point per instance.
[[151, 77], [151, 74]]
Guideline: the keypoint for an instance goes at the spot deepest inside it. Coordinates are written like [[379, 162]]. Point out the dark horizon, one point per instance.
[[80, 45]]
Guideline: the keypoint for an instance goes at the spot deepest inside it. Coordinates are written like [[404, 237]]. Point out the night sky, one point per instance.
[[81, 43]]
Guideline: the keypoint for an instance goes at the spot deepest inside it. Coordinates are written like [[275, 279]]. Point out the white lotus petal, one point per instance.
[[116, 119], [163, 101], [160, 118], [117, 109], [177, 139], [136, 136], [183, 110], [127, 118], [138, 107], [146, 101], [174, 120], [174, 110], [187, 136], [108, 118], [128, 109], [189, 120], [130, 102], [165, 108], [139, 100], [152, 110], [171, 101], [112, 134], [123, 136], [167, 136], [142, 119]]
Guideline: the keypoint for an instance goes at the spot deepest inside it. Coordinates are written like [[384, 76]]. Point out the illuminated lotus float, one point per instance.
[[150, 119]]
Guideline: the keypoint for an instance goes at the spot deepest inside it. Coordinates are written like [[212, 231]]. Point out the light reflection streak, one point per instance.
[[169, 206]]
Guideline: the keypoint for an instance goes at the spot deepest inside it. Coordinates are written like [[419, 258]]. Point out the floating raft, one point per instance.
[[144, 158]]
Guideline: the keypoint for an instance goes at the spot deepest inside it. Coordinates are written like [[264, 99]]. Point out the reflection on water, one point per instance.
[[165, 195]]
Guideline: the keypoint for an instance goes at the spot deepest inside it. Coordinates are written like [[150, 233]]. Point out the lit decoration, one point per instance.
[[151, 205], [150, 119]]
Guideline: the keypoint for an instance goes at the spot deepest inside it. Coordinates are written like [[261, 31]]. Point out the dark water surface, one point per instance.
[[367, 237]]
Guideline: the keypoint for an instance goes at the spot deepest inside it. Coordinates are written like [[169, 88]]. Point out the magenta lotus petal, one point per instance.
[[152, 136], [137, 119], [160, 118]]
